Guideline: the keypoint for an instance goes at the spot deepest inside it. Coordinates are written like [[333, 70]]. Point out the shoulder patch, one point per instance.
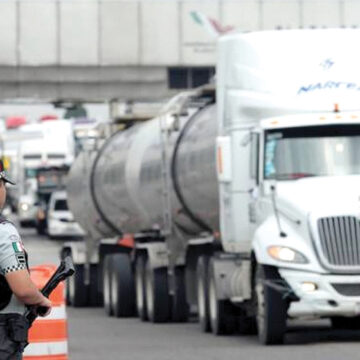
[[18, 246]]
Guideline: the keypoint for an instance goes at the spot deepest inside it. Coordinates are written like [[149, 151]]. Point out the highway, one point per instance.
[[94, 336]]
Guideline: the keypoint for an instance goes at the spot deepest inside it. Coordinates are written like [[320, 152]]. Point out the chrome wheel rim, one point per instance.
[[107, 289], [201, 299], [139, 290], [260, 306], [114, 291], [149, 295], [71, 289], [213, 303]]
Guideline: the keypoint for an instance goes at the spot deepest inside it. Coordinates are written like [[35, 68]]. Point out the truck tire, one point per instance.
[[25, 224], [222, 318], [78, 291], [123, 286], [271, 309], [64, 253], [140, 287], [157, 296], [203, 293], [246, 325], [107, 282], [41, 228], [95, 295], [350, 323], [179, 305]]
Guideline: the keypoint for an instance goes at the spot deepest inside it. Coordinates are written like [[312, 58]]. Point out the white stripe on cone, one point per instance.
[[48, 348]]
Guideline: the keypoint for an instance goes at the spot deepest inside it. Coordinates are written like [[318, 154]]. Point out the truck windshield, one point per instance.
[[298, 152]]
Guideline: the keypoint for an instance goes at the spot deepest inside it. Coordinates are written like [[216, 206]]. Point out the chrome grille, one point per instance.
[[340, 240]]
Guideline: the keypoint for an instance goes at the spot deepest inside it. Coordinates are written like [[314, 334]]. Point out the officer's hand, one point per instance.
[[44, 307]]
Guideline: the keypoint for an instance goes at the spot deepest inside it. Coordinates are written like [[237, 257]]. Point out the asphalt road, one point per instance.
[[93, 336]]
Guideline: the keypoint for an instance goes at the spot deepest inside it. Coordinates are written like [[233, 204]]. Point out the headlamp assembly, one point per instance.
[[286, 254]]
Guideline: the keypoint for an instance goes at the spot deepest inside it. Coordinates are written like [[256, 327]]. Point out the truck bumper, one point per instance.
[[325, 301]]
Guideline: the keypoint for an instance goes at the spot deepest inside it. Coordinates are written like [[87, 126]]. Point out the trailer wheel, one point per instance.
[[222, 318], [202, 293], [41, 228], [123, 286], [140, 287], [339, 322], [78, 291], [157, 297], [95, 295], [246, 325], [63, 255], [271, 309], [179, 305], [107, 270]]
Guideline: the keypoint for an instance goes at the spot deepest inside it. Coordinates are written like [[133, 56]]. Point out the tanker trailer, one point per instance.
[[86, 287], [121, 190], [247, 210]]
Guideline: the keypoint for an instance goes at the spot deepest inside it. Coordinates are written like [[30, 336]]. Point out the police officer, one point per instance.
[[16, 288]]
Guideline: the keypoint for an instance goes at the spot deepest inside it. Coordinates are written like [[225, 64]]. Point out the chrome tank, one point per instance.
[[127, 185], [80, 201]]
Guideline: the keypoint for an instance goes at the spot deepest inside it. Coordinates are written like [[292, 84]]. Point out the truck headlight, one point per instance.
[[283, 253], [24, 207]]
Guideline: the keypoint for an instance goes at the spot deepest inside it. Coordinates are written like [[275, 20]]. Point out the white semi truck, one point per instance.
[[244, 205], [53, 147]]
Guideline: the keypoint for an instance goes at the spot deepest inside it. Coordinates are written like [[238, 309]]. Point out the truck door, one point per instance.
[[238, 180]]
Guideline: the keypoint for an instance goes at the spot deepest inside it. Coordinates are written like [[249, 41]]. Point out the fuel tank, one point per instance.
[[80, 199], [123, 185]]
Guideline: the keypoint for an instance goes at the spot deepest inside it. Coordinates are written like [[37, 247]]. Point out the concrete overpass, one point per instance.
[[133, 49]]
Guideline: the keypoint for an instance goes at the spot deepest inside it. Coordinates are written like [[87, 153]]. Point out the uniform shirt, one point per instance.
[[12, 258]]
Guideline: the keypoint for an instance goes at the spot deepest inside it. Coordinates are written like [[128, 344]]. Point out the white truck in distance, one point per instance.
[[247, 206], [54, 147]]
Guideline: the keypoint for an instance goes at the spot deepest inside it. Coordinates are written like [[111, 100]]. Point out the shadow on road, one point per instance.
[[301, 335]]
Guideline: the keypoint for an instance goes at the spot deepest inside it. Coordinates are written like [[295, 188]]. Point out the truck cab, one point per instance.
[[288, 171]]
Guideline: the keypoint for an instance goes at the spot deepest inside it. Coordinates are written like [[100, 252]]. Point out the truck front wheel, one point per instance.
[[271, 308]]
